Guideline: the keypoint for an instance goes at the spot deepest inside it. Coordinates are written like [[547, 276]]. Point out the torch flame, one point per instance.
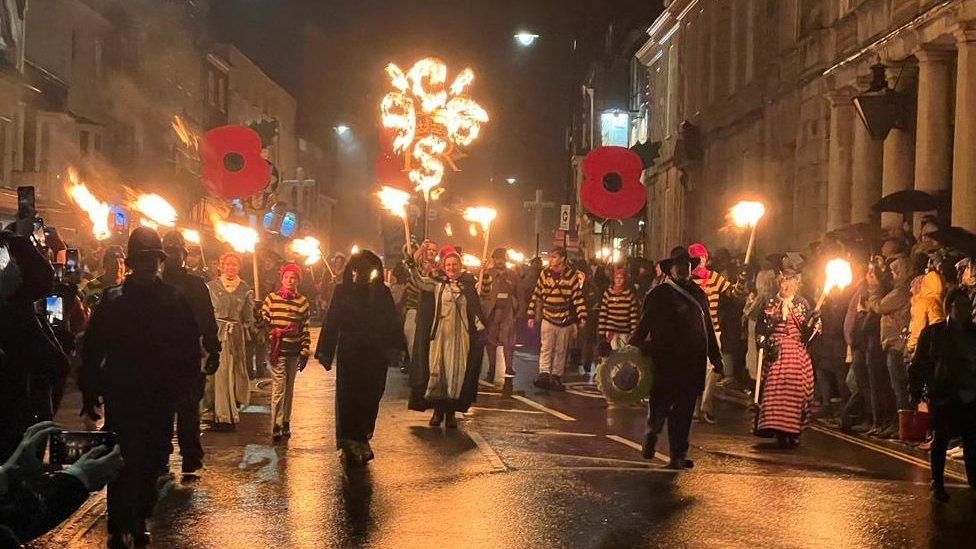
[[473, 229], [191, 236], [309, 247], [839, 275], [470, 261], [747, 213], [97, 210], [242, 239], [448, 230], [185, 134], [394, 200], [355, 249], [481, 215], [156, 210], [515, 256]]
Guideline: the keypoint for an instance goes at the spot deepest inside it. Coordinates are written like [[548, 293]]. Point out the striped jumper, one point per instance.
[[558, 298], [618, 312], [288, 314]]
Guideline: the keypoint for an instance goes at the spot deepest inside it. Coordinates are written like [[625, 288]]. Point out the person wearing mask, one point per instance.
[[943, 370], [715, 285], [786, 393], [559, 308], [228, 388], [618, 313], [361, 330], [450, 384], [33, 501], [675, 331], [895, 311], [187, 410], [499, 300], [286, 314], [141, 345]]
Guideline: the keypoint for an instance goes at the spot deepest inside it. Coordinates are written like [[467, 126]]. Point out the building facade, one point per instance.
[[753, 99]]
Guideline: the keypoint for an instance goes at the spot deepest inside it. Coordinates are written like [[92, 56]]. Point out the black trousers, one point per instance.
[[142, 429], [187, 412], [951, 420], [676, 406]]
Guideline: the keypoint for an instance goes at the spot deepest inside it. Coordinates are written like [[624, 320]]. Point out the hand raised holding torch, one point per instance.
[[746, 214]]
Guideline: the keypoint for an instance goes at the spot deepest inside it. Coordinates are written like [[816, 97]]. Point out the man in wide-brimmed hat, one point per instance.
[[675, 329], [141, 345]]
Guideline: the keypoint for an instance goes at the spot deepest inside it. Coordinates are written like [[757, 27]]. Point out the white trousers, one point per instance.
[[282, 391], [554, 348]]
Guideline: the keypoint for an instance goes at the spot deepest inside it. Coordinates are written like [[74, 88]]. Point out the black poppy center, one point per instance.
[[234, 162], [612, 182]]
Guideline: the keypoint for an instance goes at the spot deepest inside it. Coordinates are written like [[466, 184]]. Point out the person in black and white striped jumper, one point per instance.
[[618, 311]]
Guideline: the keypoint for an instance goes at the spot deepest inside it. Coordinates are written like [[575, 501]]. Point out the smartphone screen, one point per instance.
[[55, 308], [72, 265], [68, 446], [26, 204], [39, 235]]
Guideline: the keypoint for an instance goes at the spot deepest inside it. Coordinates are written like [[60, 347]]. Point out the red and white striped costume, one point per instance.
[[786, 393]]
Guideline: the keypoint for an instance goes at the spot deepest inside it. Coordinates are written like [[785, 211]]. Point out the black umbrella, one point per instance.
[[858, 232], [956, 238], [907, 202]]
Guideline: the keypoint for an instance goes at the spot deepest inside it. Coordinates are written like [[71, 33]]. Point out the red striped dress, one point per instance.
[[786, 393]]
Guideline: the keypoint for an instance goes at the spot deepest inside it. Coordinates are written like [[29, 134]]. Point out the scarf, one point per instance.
[[787, 306], [285, 293], [230, 285]]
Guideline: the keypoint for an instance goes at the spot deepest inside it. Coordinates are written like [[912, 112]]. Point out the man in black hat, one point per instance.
[[141, 344], [682, 342], [194, 289]]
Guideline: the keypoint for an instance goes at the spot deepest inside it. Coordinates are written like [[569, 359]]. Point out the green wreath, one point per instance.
[[625, 376]]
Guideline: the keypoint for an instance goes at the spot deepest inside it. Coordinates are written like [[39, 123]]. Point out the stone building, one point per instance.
[[752, 99]]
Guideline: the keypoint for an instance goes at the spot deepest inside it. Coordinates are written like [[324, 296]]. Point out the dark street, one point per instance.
[[556, 470]]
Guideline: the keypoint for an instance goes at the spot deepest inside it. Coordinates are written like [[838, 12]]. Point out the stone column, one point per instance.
[[842, 120], [933, 128], [964, 158], [866, 170], [899, 148]]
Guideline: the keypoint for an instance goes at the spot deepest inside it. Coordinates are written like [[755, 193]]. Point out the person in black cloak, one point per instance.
[[362, 330], [446, 365]]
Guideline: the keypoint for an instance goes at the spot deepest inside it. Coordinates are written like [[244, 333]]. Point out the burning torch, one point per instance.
[[96, 210], [838, 275], [395, 201], [747, 214], [243, 240], [193, 237], [483, 216], [156, 211]]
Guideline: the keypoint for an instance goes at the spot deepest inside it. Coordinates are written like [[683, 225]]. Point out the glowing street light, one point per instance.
[[511, 180], [526, 39]]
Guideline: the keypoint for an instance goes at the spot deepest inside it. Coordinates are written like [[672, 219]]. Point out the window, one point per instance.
[[84, 138], [211, 87], [672, 97], [222, 93], [98, 142]]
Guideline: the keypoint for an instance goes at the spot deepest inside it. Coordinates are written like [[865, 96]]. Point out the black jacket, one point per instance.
[[678, 335], [142, 346], [33, 506], [937, 367], [194, 289]]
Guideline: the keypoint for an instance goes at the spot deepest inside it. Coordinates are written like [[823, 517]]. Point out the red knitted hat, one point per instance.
[[446, 251], [290, 268]]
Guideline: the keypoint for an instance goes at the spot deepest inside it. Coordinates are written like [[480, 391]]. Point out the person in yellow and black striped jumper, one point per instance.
[[286, 313], [559, 304], [618, 312]]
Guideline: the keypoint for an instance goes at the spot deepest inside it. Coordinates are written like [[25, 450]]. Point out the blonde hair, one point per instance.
[[230, 255]]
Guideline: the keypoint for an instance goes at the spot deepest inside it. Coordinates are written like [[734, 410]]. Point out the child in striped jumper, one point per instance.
[[286, 313]]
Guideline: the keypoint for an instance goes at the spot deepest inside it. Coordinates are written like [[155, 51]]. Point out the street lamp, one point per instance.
[[526, 39], [880, 107], [511, 180]]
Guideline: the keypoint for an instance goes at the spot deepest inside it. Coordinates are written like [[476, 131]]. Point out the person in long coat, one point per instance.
[[450, 382], [228, 389], [786, 392], [943, 370], [361, 330], [677, 333]]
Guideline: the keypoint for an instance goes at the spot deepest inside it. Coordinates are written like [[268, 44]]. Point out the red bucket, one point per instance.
[[912, 425]]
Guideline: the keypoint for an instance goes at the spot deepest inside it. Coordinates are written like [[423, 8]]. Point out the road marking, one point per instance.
[[556, 433], [507, 410], [545, 409], [587, 395], [636, 446], [497, 465], [918, 462], [624, 462]]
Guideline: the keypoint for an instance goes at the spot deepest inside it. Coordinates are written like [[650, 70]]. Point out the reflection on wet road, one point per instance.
[[545, 470]]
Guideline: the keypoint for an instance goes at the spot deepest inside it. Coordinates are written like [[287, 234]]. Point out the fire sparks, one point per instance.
[[838, 275], [747, 214], [470, 261], [187, 136], [242, 239], [309, 247], [429, 119], [191, 236], [98, 211], [481, 215], [473, 229], [394, 200], [156, 211]]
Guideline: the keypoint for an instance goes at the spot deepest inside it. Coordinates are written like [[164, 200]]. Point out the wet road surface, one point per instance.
[[539, 470]]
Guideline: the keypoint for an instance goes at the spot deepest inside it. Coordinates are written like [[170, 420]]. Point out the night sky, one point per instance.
[[331, 56]]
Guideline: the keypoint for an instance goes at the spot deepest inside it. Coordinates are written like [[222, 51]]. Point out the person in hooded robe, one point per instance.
[[362, 333]]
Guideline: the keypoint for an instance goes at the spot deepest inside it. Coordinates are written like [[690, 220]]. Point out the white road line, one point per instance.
[[918, 462], [582, 394], [636, 446], [497, 465], [556, 433], [507, 410], [546, 409]]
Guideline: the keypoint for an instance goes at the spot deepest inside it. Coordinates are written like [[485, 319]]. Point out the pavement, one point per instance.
[[537, 470]]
